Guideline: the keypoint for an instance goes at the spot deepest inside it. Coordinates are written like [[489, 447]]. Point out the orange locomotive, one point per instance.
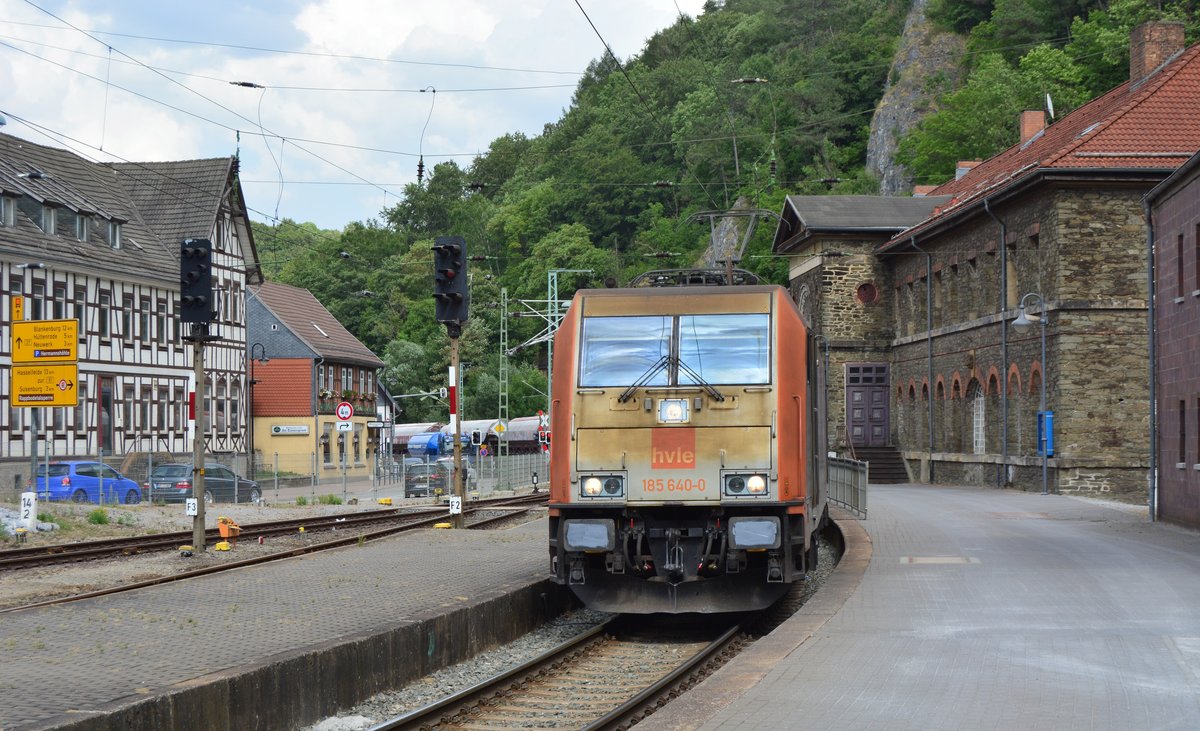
[[687, 468]]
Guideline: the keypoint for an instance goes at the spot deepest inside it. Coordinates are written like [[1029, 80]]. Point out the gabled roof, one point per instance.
[[805, 215], [157, 205], [307, 319], [1150, 125]]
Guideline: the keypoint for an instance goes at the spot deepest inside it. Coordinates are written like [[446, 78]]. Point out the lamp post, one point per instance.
[[261, 350], [1021, 321]]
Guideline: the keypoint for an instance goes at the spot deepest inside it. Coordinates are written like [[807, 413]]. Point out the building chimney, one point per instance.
[[1151, 45], [963, 167], [1032, 122]]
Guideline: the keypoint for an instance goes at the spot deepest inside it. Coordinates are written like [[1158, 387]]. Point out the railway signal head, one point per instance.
[[450, 279], [195, 281]]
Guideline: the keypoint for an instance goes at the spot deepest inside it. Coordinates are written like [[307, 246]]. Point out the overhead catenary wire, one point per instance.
[[191, 90]]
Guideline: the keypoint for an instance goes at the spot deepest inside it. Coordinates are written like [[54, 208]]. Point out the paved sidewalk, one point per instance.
[[73, 660], [980, 609]]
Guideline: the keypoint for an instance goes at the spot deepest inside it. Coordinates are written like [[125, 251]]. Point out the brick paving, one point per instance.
[[78, 656], [982, 609]]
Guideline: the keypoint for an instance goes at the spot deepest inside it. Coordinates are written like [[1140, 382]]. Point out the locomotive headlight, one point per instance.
[[602, 486], [614, 486], [745, 485], [673, 411]]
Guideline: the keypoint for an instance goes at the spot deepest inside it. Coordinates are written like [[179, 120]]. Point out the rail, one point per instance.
[[848, 484]]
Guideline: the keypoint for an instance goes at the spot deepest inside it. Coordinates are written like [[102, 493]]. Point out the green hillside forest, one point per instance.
[[749, 102]]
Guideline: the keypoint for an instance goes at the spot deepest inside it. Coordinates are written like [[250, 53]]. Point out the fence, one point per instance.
[[309, 472], [848, 484]]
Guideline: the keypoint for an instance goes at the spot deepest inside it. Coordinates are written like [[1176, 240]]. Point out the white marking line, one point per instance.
[[939, 559]]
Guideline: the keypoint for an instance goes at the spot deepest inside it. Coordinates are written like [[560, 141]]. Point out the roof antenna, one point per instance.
[[1050, 105]]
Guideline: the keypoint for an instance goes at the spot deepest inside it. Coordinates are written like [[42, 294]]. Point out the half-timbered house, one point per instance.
[[99, 243]]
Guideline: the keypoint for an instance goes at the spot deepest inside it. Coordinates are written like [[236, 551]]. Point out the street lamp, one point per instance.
[[1045, 442], [261, 351]]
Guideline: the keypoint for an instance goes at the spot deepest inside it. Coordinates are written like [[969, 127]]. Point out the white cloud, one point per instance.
[[545, 35]]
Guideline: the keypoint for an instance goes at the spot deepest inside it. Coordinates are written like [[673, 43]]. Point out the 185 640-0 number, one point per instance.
[[672, 484]]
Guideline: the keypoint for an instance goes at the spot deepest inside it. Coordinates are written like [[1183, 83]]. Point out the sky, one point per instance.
[[328, 103]]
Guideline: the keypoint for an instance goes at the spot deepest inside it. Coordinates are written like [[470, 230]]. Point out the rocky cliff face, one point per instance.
[[926, 66]]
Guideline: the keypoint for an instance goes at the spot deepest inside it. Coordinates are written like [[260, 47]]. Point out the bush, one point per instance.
[[99, 516], [302, 501], [329, 500], [45, 517]]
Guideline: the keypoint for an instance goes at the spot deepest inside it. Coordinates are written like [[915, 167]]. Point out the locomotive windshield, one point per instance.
[[720, 349], [725, 348], [616, 351]]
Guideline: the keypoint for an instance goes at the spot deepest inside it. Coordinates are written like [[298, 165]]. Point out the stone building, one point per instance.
[[840, 286], [1174, 216], [1054, 223]]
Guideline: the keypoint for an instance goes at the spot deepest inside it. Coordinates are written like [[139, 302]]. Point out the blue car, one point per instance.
[[80, 481]]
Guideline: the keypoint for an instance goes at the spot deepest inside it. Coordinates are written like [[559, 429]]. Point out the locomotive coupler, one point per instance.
[[674, 563]]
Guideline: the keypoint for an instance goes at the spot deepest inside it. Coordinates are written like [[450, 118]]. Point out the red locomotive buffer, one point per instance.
[[689, 466]]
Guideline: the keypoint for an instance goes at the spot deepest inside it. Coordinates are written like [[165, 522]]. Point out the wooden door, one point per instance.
[[867, 414]]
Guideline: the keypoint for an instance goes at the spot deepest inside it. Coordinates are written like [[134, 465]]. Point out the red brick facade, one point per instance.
[[1175, 217]]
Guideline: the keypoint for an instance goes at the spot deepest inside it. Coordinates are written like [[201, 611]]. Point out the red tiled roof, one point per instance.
[[307, 318], [1152, 124]]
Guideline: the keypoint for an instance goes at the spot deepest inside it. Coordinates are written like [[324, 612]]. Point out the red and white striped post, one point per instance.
[[456, 432]]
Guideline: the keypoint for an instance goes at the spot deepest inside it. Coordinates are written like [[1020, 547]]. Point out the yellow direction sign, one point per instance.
[[45, 385], [16, 308], [45, 341]]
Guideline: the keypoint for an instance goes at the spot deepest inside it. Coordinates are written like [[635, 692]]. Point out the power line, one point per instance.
[[289, 87], [315, 54], [193, 91]]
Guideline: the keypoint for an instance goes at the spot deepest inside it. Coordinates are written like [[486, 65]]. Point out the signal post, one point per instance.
[[195, 307], [453, 300]]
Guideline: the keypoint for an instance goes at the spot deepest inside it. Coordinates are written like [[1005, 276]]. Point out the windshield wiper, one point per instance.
[[708, 387], [643, 379], [665, 362]]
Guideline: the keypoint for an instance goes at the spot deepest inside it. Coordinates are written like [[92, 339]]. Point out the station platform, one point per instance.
[[274, 646], [973, 608]]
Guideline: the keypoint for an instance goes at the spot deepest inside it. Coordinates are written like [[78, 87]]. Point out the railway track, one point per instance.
[[606, 678], [477, 515], [16, 558]]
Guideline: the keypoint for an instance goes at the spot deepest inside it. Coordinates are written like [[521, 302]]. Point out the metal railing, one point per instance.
[[848, 484]]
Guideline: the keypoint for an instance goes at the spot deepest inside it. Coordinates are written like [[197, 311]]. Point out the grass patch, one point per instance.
[[329, 500], [99, 516], [302, 501]]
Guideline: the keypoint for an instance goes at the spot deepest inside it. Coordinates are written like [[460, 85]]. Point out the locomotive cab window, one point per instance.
[[720, 349], [616, 351], [725, 349]]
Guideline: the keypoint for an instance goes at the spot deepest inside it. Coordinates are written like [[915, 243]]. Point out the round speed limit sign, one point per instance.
[[345, 410]]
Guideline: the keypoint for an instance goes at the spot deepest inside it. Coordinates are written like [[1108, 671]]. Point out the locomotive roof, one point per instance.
[[678, 291]]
